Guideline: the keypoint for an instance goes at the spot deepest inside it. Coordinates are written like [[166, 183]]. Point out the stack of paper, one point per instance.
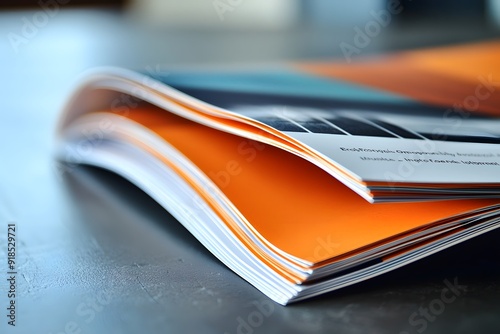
[[279, 172]]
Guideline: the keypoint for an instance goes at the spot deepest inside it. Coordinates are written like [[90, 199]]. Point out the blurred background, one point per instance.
[[55, 40], [52, 41], [95, 233]]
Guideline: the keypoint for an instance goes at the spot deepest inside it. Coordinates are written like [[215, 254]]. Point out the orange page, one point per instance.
[[466, 76], [293, 204]]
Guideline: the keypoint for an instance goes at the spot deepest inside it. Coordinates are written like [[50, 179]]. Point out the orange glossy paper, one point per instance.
[[291, 203]]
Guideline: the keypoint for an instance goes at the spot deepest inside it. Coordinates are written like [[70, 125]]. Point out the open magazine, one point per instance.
[[306, 178]]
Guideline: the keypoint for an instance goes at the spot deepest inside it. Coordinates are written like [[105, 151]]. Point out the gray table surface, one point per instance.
[[96, 255]]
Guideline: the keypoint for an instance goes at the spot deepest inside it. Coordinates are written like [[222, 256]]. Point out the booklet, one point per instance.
[[305, 178]]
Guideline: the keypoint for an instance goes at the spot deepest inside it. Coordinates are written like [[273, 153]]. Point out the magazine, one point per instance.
[[305, 178]]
